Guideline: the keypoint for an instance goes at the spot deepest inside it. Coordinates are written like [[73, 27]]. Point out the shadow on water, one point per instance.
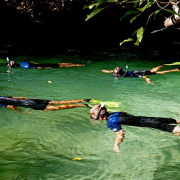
[[42, 145]]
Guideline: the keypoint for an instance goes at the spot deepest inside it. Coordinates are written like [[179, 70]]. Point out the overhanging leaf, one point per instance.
[[137, 43], [146, 6], [175, 63], [171, 11], [128, 13], [140, 34], [95, 11], [91, 4], [134, 18], [127, 40], [156, 12]]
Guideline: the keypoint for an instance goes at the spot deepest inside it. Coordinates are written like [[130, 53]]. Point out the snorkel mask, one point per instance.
[[118, 72], [12, 64], [102, 105]]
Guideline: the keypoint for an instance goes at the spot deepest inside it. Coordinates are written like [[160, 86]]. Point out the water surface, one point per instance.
[[41, 145]]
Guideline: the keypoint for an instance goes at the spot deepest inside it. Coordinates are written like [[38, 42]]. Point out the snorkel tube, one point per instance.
[[126, 71], [102, 105], [8, 62]]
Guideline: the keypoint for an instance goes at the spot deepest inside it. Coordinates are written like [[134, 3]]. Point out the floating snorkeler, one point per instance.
[[116, 119], [118, 72], [39, 104], [13, 64]]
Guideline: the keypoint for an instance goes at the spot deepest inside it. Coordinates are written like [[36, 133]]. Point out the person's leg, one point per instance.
[[162, 124], [167, 120], [176, 131], [69, 101], [156, 69], [69, 64], [55, 108], [167, 71], [20, 98]]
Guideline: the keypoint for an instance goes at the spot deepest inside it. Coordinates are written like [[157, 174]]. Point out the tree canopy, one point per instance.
[[148, 9]]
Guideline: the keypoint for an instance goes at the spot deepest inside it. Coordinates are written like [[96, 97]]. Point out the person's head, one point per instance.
[[118, 72], [98, 112], [12, 64]]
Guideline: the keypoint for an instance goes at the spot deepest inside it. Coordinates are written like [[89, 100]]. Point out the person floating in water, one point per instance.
[[39, 104], [118, 72], [13, 64], [116, 119]]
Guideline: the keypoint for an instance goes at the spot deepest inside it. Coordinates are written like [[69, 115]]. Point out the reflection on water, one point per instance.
[[41, 145]]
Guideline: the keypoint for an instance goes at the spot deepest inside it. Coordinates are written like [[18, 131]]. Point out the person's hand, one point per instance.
[[116, 148]]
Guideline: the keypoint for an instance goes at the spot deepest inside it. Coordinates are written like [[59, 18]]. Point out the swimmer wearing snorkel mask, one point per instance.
[[116, 119], [118, 72], [26, 65]]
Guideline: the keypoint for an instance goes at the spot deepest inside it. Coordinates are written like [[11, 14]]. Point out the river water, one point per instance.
[[42, 145]]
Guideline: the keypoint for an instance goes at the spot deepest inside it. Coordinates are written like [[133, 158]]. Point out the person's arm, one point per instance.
[[14, 108], [20, 98], [148, 80], [118, 140], [107, 71]]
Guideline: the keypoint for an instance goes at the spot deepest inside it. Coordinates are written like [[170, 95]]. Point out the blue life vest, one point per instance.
[[26, 65], [113, 122]]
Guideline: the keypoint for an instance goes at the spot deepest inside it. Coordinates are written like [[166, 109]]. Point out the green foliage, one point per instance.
[[139, 36], [139, 8], [171, 11], [126, 40], [134, 18], [128, 13], [146, 6], [175, 63], [97, 10], [156, 12]]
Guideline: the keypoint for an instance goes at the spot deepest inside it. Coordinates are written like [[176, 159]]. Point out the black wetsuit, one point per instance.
[[45, 65], [36, 104], [115, 120], [136, 74]]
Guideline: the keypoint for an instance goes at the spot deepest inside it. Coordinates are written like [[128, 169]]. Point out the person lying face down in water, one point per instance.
[[13, 64], [39, 104], [116, 119], [118, 72]]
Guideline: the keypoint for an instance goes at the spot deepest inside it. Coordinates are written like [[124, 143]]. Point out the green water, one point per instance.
[[41, 145]]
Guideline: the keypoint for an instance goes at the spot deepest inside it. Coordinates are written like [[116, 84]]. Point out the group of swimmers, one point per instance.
[[98, 112]]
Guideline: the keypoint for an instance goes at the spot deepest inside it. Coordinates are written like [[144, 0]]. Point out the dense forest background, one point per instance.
[[44, 25]]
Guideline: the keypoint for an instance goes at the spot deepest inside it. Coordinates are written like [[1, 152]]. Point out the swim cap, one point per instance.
[[95, 110]]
